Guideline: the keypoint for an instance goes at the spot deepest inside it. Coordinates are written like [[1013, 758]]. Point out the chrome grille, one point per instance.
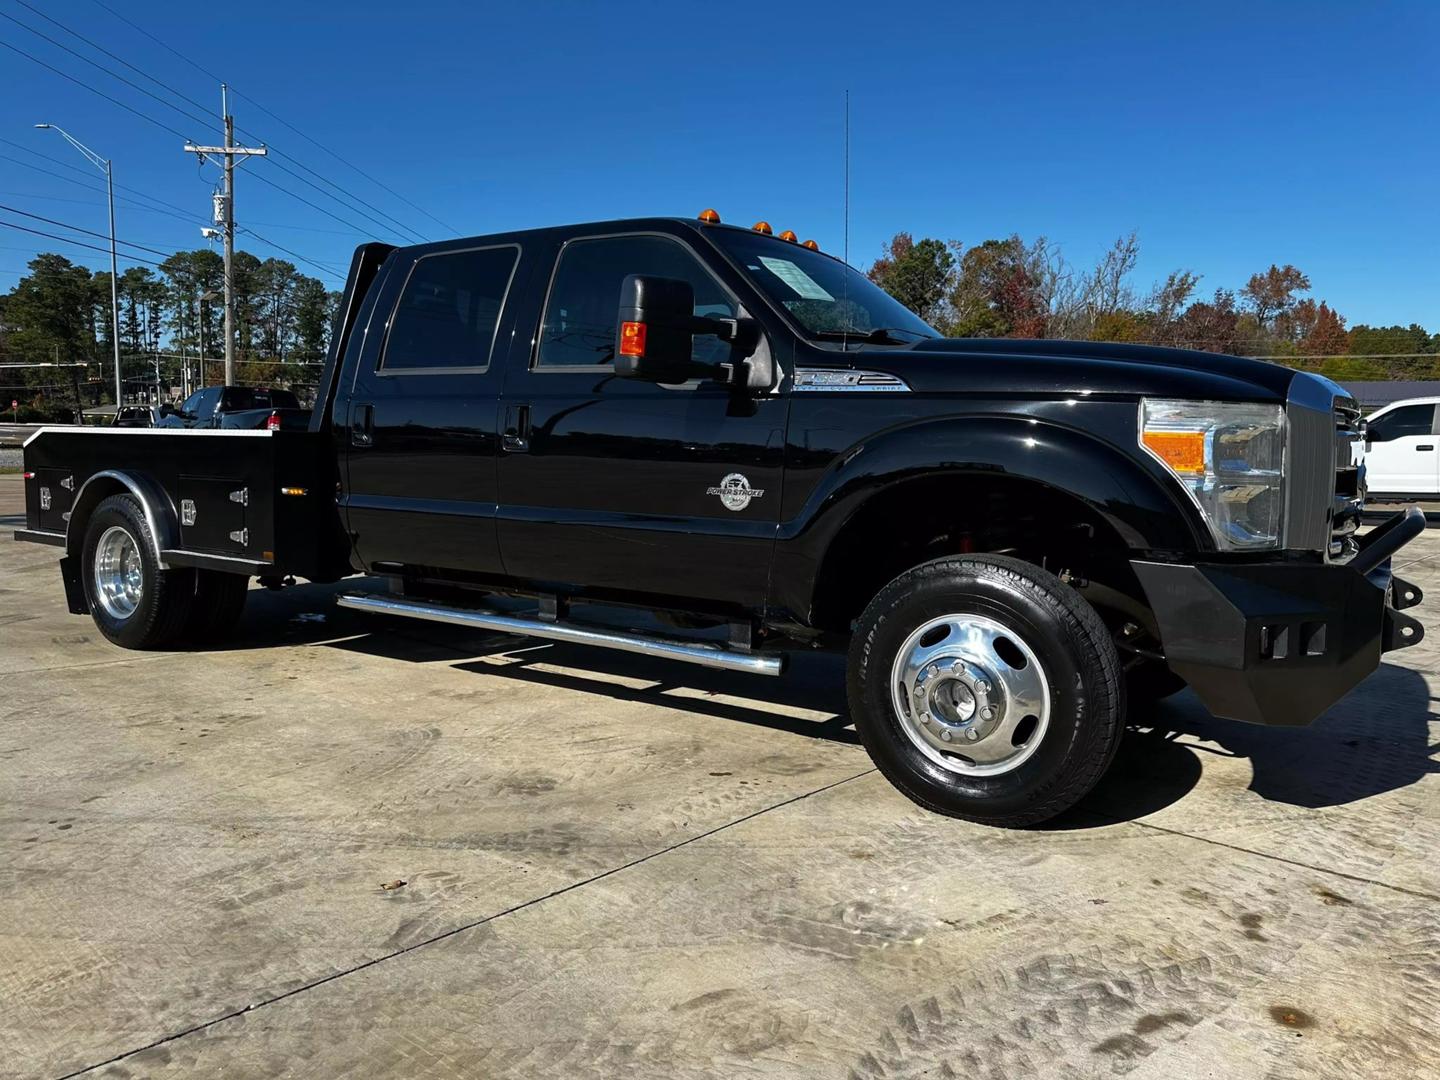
[[1348, 499]]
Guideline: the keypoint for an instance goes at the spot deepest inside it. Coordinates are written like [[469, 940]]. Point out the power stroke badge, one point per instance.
[[735, 492]]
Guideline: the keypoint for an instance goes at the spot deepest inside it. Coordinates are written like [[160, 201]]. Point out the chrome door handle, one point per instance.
[[515, 438], [362, 426]]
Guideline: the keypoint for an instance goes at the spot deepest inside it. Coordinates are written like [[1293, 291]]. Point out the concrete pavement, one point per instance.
[[354, 846]]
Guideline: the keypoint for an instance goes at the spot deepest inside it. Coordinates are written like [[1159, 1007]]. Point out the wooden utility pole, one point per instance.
[[225, 218]]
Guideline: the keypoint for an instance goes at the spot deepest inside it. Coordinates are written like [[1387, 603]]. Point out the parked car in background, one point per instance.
[[1402, 451], [137, 416], [238, 407]]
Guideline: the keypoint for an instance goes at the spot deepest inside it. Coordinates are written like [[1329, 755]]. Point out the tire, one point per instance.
[[997, 634], [139, 606], [216, 607], [1150, 681]]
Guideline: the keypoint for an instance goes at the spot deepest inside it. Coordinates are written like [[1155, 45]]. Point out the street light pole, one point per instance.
[[104, 165], [114, 287]]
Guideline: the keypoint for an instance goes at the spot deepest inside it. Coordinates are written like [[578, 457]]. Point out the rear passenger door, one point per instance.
[[1401, 455], [420, 480]]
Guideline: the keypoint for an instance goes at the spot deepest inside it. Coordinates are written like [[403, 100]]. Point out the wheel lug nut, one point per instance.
[[987, 713], [945, 735]]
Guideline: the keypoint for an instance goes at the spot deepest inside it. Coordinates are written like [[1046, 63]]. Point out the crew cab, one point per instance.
[[1402, 451], [1012, 542], [238, 407]]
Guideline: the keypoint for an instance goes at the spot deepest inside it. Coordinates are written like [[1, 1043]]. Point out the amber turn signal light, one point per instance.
[[1183, 451], [632, 339], [762, 227], [710, 217], [788, 235], [811, 245]]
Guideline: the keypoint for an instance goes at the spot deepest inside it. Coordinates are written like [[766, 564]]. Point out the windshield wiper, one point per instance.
[[879, 335]]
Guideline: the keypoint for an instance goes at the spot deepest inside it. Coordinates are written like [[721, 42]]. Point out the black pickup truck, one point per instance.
[[237, 407], [1015, 541]]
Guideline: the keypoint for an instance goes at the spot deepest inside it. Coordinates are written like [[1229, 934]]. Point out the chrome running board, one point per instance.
[[693, 652]]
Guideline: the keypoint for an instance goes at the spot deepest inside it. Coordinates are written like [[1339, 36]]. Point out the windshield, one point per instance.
[[827, 298]]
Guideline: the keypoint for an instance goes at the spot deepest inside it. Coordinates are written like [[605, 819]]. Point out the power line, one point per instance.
[[87, 232], [409, 233], [330, 271], [99, 93], [314, 206], [130, 204], [101, 67], [118, 59], [211, 75], [76, 243], [405, 231], [188, 214]]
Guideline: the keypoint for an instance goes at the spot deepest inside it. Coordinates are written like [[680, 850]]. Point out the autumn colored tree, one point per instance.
[[1212, 325], [1004, 289], [1166, 305], [1320, 331], [918, 274], [1270, 295]]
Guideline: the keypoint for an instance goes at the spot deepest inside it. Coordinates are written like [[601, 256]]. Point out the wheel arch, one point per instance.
[[870, 514], [154, 503]]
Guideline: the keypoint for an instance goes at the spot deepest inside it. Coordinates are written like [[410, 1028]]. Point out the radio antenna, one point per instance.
[[845, 277]]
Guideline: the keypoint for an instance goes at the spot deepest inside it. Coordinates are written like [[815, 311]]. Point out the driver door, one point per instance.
[[1401, 455], [626, 485]]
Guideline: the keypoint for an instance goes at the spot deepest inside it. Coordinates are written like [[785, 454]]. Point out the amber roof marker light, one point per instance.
[[811, 245], [709, 217], [762, 227], [788, 235]]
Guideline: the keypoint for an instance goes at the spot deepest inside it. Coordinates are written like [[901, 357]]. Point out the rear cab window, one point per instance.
[[446, 318]]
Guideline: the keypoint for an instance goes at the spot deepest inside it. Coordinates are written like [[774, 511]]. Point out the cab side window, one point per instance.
[[580, 314], [449, 311], [1406, 420], [206, 401]]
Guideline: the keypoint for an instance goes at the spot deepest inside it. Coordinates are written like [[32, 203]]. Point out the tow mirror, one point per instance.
[[656, 331]]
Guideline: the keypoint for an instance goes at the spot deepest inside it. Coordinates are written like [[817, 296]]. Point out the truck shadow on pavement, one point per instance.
[[814, 683], [1374, 741]]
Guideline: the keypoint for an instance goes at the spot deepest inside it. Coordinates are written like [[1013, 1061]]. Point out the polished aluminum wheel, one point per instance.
[[119, 573], [971, 694]]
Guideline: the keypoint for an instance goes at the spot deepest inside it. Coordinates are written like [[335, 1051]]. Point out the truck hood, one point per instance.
[[1064, 368]]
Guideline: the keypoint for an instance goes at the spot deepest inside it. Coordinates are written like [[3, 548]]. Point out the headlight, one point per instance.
[[1230, 457]]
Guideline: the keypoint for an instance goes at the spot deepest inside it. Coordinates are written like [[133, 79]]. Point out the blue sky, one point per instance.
[[1229, 136]]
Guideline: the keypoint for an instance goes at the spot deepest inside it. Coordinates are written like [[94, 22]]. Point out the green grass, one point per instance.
[[10, 470]]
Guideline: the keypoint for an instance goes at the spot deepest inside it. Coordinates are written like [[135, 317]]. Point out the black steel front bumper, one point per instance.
[[1279, 643]]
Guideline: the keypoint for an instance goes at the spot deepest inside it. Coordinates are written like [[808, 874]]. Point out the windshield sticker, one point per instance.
[[805, 287]]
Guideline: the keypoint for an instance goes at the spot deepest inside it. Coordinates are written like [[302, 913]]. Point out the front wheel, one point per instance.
[[984, 688]]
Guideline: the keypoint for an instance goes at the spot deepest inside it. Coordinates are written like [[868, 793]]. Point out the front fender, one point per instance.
[[1147, 512]]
